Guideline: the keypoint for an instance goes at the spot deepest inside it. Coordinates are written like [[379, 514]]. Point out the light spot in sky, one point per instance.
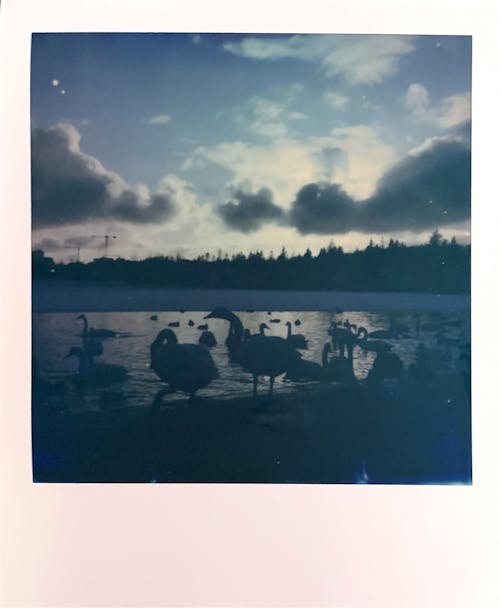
[[63, 92], [438, 44], [55, 82]]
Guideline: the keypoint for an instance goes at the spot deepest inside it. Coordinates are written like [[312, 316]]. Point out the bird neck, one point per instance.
[[289, 332], [85, 325]]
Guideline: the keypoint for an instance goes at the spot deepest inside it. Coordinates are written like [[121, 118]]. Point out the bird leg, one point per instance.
[[255, 381], [271, 384]]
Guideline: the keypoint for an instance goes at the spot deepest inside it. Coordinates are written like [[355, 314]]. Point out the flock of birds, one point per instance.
[[190, 367]]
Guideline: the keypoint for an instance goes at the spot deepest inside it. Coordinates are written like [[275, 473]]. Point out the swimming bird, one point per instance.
[[174, 324], [203, 327], [207, 338], [296, 340], [297, 322], [377, 346], [260, 355], [184, 367], [275, 321], [191, 323], [154, 317], [95, 333], [91, 345], [95, 373]]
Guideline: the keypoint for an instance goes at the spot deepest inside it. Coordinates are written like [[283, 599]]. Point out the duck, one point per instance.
[[296, 340], [191, 323], [154, 317], [174, 324], [297, 322], [260, 355], [184, 367], [203, 327]]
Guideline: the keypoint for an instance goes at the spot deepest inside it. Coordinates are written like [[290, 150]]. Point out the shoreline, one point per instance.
[[322, 434], [74, 296]]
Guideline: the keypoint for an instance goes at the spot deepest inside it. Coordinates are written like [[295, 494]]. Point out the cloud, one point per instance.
[[353, 156], [451, 111], [455, 110], [335, 100], [417, 101], [70, 187], [269, 117], [424, 190], [160, 119], [250, 211], [359, 59]]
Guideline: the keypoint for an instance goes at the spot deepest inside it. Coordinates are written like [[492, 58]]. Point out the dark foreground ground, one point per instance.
[[406, 433]]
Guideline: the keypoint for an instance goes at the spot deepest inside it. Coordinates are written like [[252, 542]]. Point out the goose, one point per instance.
[[95, 373], [296, 340], [191, 323], [297, 323], [203, 327], [342, 337], [377, 346], [207, 338], [275, 321], [305, 370], [184, 367], [337, 369], [91, 345], [349, 325], [261, 355], [174, 324], [154, 317], [394, 331], [95, 333]]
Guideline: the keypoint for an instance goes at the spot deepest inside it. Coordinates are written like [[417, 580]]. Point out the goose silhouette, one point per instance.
[[93, 332], [184, 367], [260, 355], [296, 340], [377, 346]]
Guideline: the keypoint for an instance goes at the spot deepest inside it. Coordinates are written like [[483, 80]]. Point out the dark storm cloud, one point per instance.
[[427, 189], [322, 208], [69, 186], [73, 242], [250, 211], [422, 191]]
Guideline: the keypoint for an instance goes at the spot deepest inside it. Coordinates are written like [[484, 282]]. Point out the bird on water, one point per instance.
[[92, 332]]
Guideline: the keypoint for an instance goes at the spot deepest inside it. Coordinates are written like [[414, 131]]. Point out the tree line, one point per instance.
[[439, 266]]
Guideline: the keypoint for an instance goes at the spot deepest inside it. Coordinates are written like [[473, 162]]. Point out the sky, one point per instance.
[[181, 144]]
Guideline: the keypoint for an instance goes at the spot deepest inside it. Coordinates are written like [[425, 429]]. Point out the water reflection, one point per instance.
[[54, 334]]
